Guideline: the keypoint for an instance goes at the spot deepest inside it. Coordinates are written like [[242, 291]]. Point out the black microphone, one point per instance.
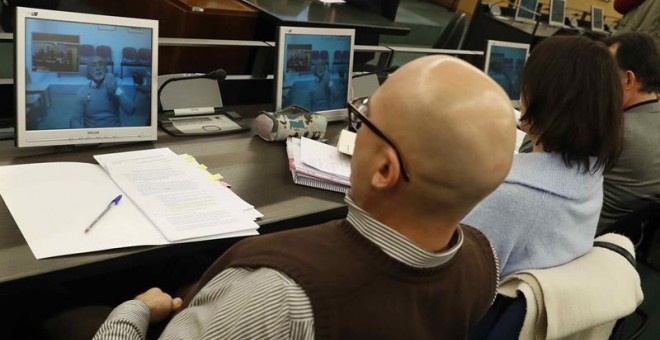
[[387, 70], [218, 75]]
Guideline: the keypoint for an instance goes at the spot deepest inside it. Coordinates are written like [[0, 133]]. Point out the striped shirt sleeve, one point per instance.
[[238, 303]]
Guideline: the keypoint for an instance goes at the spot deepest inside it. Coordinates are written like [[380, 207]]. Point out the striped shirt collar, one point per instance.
[[396, 245]]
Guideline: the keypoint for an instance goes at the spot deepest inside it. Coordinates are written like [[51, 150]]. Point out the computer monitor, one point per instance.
[[504, 64], [78, 82], [314, 69], [597, 24], [557, 13], [526, 11]]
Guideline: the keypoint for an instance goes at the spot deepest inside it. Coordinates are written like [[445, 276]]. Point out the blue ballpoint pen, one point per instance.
[[112, 204]]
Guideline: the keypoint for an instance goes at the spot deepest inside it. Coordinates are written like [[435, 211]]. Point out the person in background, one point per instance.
[[546, 211], [639, 16], [635, 177], [400, 265], [100, 102]]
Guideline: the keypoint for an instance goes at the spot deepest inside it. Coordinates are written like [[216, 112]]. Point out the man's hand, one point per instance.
[[111, 84], [138, 79], [161, 304]]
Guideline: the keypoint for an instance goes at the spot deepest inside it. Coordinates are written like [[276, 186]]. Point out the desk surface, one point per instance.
[[256, 169], [314, 13]]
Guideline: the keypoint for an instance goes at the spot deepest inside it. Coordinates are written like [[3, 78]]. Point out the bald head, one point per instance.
[[454, 127]]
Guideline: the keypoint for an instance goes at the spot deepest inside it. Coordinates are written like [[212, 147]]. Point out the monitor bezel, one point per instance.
[[499, 43], [522, 19], [602, 19], [332, 115], [563, 18], [76, 136]]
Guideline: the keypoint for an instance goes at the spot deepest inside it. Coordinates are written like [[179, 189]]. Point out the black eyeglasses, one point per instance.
[[357, 115]]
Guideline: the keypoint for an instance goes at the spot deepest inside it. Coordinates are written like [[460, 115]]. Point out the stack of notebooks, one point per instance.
[[318, 165]]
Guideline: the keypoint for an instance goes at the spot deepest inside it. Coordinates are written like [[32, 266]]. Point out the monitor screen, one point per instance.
[[83, 78], [314, 69], [526, 10], [504, 64], [557, 12], [597, 19]]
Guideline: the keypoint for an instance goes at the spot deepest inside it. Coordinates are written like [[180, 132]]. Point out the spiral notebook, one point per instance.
[[304, 174]]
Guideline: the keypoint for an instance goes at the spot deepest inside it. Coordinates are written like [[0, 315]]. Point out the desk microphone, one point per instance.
[[386, 70], [218, 75]]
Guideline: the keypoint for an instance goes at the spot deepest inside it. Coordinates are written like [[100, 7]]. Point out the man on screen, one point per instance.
[[100, 102]]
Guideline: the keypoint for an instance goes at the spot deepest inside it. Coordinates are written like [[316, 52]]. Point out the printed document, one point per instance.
[[165, 200]]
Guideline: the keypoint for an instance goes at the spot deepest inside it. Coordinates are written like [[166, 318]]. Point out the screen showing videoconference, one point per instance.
[[505, 67], [527, 9], [89, 75], [316, 74]]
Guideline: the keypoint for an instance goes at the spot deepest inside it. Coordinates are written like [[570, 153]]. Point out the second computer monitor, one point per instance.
[[314, 69], [557, 12], [526, 10], [504, 64], [597, 19]]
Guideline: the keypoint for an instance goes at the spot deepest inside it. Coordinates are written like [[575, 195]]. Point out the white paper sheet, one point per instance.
[[52, 204], [325, 158], [181, 202]]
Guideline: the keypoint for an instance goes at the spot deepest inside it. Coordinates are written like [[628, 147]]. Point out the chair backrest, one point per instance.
[[105, 52], [642, 227], [144, 56], [85, 53], [128, 55], [452, 35]]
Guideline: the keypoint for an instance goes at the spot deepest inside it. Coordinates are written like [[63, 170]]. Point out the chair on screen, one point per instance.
[[128, 58], [105, 52], [85, 53]]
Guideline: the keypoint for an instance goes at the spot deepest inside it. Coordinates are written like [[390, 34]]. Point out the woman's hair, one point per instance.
[[573, 100]]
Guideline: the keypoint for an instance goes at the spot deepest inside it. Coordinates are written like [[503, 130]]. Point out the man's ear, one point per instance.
[[388, 172], [629, 80]]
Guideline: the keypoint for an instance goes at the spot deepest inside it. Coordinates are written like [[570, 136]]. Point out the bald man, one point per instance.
[[434, 140]]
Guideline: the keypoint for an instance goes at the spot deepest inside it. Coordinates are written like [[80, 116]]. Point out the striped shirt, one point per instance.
[[262, 303]]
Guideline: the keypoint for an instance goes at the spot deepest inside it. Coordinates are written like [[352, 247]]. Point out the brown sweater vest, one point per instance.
[[359, 292]]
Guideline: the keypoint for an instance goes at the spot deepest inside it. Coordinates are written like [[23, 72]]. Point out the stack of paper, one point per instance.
[[318, 165], [167, 198]]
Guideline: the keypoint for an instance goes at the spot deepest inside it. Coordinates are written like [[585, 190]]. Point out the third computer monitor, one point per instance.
[[504, 64], [526, 10], [597, 19], [557, 12]]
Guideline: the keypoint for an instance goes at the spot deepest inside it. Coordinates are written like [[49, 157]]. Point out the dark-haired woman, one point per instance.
[[546, 212]]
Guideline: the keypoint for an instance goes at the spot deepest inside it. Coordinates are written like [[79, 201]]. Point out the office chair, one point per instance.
[[452, 35], [506, 317], [105, 52], [85, 53], [642, 226], [128, 58], [144, 56]]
